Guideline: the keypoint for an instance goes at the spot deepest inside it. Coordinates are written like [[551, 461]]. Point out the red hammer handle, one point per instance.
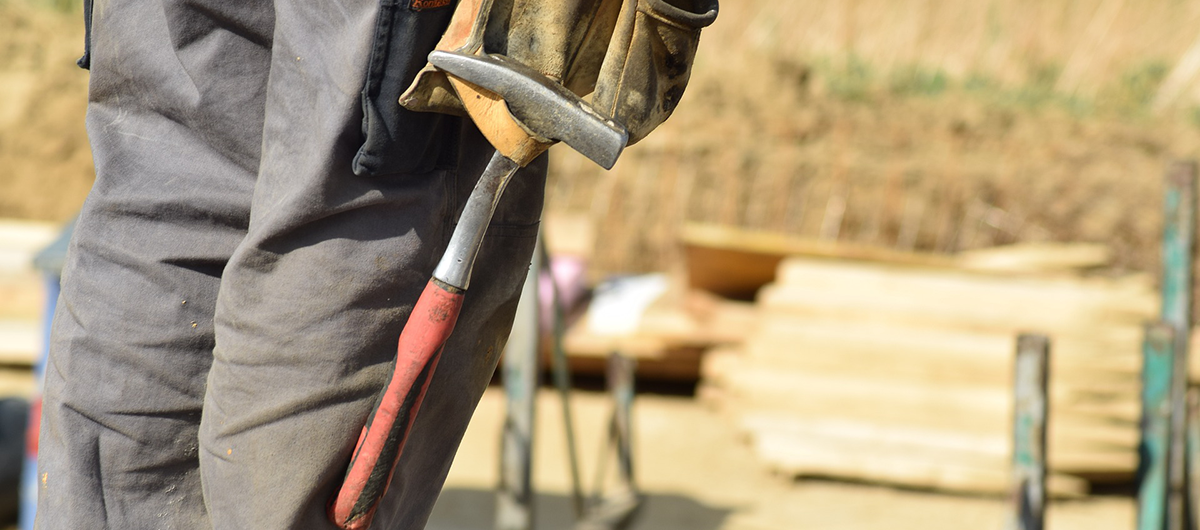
[[383, 437]]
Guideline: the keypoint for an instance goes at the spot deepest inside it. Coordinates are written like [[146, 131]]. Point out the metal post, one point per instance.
[[1158, 356], [1030, 414], [1193, 456], [621, 372], [1179, 234], [562, 376], [514, 497], [617, 509]]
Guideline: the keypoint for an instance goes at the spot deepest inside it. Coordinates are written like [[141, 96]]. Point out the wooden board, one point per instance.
[[829, 340], [1112, 397], [735, 263], [809, 456], [673, 364], [984, 450], [958, 302], [1036, 258], [17, 382], [971, 410], [22, 295], [670, 338], [902, 372], [20, 342], [20, 240]]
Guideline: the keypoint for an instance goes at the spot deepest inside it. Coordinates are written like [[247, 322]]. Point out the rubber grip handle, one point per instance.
[[382, 439]]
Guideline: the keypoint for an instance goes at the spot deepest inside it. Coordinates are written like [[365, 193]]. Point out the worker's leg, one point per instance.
[[314, 299], [174, 118]]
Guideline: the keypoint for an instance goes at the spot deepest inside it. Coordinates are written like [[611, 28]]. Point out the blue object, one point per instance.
[[1157, 362], [50, 262]]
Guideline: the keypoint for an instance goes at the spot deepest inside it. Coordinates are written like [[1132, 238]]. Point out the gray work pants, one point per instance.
[[263, 218]]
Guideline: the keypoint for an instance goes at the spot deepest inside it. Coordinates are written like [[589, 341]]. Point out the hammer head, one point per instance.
[[541, 105]]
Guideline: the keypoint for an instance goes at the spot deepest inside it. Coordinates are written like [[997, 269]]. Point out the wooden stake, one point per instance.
[[1029, 433]]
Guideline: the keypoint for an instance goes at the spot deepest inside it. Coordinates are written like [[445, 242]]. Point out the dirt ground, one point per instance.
[[767, 142], [697, 475]]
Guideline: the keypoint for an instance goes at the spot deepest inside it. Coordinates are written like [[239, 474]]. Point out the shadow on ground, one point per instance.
[[473, 509]]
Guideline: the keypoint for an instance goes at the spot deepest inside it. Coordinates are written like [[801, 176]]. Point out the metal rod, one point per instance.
[[620, 388], [1193, 456], [514, 497], [562, 378], [1158, 356], [621, 371], [1031, 377], [1179, 234], [597, 495], [455, 266], [616, 510]]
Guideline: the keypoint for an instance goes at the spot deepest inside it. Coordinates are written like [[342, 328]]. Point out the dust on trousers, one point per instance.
[[263, 217]]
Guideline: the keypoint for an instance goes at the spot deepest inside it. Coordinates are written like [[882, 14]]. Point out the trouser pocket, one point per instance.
[[649, 61], [396, 140]]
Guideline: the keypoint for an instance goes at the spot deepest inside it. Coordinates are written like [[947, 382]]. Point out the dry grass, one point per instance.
[[913, 124], [1077, 47], [45, 163], [920, 125]]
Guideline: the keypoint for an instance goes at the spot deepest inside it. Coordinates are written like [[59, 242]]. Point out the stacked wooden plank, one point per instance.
[[22, 301], [22, 295], [902, 374]]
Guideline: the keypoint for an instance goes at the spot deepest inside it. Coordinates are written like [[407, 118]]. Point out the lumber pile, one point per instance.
[[902, 374]]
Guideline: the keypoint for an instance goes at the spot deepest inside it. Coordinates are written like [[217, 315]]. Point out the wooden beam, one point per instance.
[[864, 460], [736, 262], [956, 298]]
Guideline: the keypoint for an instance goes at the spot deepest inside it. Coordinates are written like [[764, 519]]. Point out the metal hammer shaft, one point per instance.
[[420, 346], [523, 102]]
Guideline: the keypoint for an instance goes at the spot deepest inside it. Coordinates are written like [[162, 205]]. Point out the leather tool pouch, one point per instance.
[[649, 61], [563, 39], [636, 54]]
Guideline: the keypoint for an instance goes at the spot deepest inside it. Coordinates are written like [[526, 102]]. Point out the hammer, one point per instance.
[[522, 113]]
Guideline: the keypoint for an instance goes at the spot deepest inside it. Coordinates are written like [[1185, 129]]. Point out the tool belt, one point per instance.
[[635, 55]]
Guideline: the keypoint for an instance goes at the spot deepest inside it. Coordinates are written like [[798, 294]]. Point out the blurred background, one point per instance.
[[832, 164]]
